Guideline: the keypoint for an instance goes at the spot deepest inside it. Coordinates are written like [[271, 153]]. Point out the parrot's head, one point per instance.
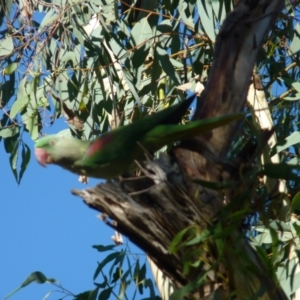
[[60, 149], [44, 149]]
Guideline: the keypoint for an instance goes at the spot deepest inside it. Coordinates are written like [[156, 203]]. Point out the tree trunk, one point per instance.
[[151, 210]]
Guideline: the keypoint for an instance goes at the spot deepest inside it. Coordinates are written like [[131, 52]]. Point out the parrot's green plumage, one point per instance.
[[113, 154]]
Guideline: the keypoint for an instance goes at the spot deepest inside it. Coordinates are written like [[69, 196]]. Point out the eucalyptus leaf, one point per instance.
[[296, 86], [102, 248], [207, 18], [10, 68], [291, 140], [25, 161], [50, 17], [37, 277], [167, 66], [281, 170], [18, 106], [6, 46], [9, 131], [296, 202], [105, 294], [295, 45], [104, 262], [141, 32]]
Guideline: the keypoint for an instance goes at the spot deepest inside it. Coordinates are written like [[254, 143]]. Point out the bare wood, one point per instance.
[[152, 219], [237, 46]]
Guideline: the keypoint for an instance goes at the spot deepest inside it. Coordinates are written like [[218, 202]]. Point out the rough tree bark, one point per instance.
[[152, 209]]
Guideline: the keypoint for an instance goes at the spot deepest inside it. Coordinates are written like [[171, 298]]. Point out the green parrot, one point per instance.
[[113, 153]]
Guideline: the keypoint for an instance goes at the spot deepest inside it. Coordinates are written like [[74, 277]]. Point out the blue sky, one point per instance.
[[43, 227]]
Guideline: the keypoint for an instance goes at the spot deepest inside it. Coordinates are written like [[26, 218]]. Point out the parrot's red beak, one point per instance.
[[41, 156]]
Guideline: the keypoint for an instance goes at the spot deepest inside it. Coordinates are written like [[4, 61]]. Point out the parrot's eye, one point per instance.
[[52, 143]]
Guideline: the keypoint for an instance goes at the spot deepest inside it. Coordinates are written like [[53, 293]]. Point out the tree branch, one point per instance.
[[152, 210]]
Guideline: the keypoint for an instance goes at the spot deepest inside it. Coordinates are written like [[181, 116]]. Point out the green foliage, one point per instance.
[[119, 270], [205, 250], [296, 203], [276, 240], [129, 62], [37, 277], [104, 69]]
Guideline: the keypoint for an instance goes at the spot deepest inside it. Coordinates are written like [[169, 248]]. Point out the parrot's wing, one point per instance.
[[122, 143]]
